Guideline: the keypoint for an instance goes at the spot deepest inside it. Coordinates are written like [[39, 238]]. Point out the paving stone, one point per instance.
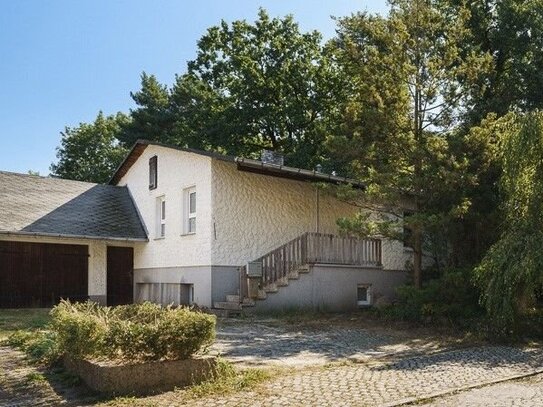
[[413, 372], [416, 377], [525, 392]]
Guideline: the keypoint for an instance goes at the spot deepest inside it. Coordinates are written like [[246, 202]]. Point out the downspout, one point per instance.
[[317, 205]]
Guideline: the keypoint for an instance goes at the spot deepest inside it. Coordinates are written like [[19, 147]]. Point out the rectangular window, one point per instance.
[[153, 172], [161, 217], [190, 210], [364, 294]]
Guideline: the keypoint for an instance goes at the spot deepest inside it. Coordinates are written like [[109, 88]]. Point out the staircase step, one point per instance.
[[247, 302], [232, 298], [294, 275], [271, 288], [303, 269], [227, 305]]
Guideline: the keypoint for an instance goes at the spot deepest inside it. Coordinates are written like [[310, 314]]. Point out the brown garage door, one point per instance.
[[40, 274], [120, 271]]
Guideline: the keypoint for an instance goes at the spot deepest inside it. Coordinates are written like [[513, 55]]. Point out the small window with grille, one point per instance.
[[364, 294]]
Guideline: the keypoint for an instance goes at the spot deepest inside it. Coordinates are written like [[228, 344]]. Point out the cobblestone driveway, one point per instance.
[[272, 343], [522, 393], [388, 384], [395, 369]]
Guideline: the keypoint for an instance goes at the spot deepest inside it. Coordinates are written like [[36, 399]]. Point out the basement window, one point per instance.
[[153, 172], [364, 295]]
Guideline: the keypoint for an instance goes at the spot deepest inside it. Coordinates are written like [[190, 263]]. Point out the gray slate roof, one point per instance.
[[53, 206]]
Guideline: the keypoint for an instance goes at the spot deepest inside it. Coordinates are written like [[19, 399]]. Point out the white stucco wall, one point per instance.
[[253, 214], [177, 170]]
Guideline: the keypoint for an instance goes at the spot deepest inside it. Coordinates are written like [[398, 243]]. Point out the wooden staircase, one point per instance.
[[294, 258]]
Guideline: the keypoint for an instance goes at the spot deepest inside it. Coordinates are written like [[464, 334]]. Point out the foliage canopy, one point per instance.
[[511, 274]]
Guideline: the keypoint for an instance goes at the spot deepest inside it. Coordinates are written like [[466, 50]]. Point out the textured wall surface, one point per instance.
[[253, 214], [330, 288], [177, 170], [240, 216]]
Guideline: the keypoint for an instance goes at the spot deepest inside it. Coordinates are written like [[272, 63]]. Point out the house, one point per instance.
[[184, 226]]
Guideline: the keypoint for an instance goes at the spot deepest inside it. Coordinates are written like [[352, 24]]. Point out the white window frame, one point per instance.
[[188, 215], [160, 232], [367, 301]]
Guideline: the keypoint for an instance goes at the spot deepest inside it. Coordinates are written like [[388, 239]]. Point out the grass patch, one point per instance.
[[35, 377], [40, 345], [12, 320], [230, 380]]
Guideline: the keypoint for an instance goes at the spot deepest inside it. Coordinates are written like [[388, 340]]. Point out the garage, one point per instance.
[[65, 239], [40, 274], [120, 275]]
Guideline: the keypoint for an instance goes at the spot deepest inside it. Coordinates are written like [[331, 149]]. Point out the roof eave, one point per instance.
[[69, 236], [294, 173]]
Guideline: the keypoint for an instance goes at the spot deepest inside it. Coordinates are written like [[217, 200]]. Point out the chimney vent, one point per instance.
[[272, 157]]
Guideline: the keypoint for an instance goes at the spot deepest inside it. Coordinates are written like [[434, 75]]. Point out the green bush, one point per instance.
[[41, 346], [81, 328], [452, 297], [131, 332]]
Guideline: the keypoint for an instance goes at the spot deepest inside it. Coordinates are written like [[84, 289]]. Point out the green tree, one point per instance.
[[271, 86], [251, 86], [410, 81], [90, 152], [152, 119], [511, 31], [512, 271]]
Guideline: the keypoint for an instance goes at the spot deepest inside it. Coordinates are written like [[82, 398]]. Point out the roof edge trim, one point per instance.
[[66, 236]]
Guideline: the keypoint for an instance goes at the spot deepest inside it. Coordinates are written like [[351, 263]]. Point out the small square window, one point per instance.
[[364, 294], [153, 172]]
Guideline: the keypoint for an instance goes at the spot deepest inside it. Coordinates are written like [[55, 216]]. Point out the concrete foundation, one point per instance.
[[332, 288]]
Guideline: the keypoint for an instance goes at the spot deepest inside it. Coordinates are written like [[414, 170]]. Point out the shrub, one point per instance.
[[131, 332], [452, 296], [41, 346], [81, 328]]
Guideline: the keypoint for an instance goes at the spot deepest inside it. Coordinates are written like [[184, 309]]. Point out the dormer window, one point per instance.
[[153, 172]]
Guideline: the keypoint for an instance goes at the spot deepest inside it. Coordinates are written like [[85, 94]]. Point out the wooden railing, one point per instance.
[[312, 248]]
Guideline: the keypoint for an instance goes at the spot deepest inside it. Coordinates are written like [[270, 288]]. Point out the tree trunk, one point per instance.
[[417, 257]]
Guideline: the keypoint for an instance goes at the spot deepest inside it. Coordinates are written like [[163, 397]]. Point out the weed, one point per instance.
[[35, 377], [228, 379]]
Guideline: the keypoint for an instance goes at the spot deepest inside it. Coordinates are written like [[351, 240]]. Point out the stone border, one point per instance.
[[431, 396], [142, 378]]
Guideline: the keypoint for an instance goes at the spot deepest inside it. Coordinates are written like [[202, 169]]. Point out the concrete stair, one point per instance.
[[232, 306], [283, 282]]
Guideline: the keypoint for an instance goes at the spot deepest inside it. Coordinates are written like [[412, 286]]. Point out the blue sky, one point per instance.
[[63, 61]]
